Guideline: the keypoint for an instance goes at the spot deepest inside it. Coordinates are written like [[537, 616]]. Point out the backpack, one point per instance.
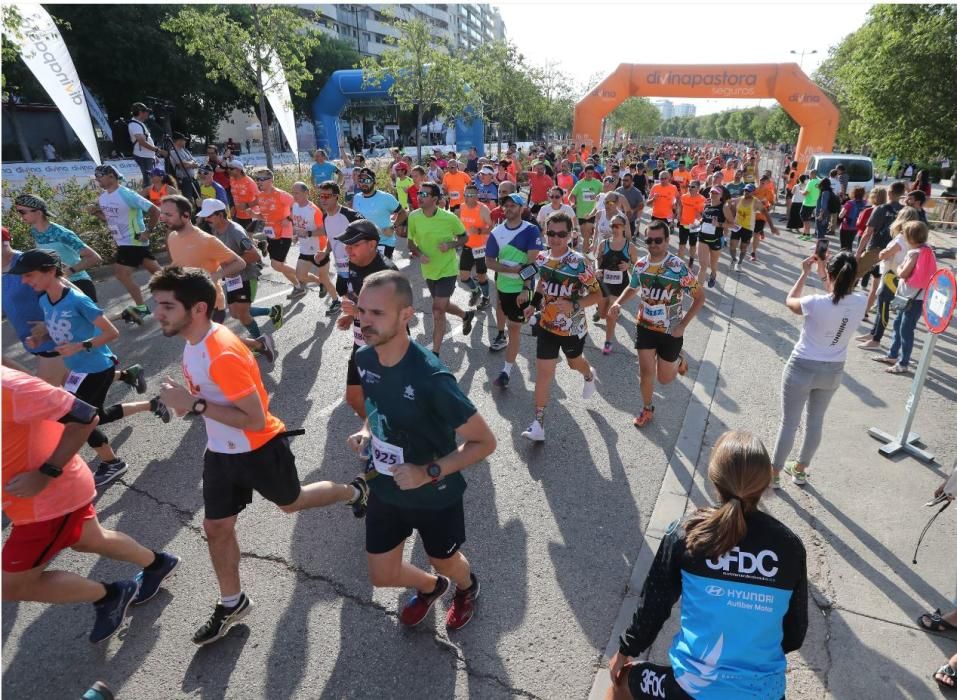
[[833, 204], [121, 136]]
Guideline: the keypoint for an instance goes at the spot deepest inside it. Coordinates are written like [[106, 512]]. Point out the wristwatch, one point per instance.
[[50, 470], [87, 345], [199, 407], [434, 472]]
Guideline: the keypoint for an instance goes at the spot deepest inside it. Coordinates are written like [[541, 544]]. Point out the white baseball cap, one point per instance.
[[235, 163], [210, 206]]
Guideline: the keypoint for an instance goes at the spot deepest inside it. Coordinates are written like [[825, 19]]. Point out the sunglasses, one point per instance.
[[654, 241], [426, 194], [366, 180], [327, 196], [557, 234], [263, 179]]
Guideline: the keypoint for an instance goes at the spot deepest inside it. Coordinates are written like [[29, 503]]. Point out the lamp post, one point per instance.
[[802, 53]]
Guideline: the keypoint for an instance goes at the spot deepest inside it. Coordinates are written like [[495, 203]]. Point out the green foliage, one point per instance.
[[323, 60], [754, 124], [637, 116]]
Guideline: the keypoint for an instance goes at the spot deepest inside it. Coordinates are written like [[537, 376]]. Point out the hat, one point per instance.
[[108, 170], [36, 259], [486, 171], [235, 163], [31, 201], [210, 206], [401, 166], [157, 171], [517, 198], [359, 230], [6, 234], [206, 168], [749, 187], [715, 190]]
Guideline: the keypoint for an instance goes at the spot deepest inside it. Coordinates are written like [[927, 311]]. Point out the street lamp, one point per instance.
[[803, 53]]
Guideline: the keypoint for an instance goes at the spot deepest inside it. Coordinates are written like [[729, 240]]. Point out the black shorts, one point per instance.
[[510, 307], [230, 479], [442, 530], [94, 387], [278, 248], [759, 225], [613, 291], [807, 213], [243, 295], [665, 345], [352, 370], [712, 240], [442, 288], [648, 681], [133, 255], [743, 235], [686, 235], [342, 286], [387, 251], [311, 259], [548, 345], [86, 286], [467, 261]]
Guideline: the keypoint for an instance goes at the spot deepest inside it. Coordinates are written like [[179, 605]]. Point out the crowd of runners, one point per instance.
[[566, 235]]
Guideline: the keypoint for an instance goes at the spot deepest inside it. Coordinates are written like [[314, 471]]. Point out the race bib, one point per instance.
[[342, 268], [269, 232], [455, 196], [589, 196], [478, 252], [357, 335], [385, 456], [73, 381], [381, 249], [656, 314], [233, 283], [613, 276], [707, 228]]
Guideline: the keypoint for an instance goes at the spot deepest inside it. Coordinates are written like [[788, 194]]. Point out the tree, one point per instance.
[[894, 81], [780, 128], [498, 72], [424, 75], [325, 59], [238, 44], [637, 116]]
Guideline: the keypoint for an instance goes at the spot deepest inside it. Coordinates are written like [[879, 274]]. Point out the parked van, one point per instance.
[[860, 169]]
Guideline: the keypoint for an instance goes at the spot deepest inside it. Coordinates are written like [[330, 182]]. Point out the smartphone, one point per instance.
[[820, 250], [528, 271]]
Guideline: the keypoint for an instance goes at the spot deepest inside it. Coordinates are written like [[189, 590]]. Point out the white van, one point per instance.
[[860, 169]]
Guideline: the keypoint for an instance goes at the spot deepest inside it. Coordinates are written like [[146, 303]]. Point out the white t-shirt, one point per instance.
[[136, 128], [548, 210], [894, 262], [828, 327]]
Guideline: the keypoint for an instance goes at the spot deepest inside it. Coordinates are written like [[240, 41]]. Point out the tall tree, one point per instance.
[[324, 60], [637, 116], [424, 74], [237, 44]]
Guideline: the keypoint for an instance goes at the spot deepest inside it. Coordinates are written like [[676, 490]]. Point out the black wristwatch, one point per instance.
[[50, 470], [87, 345], [434, 471], [199, 407]]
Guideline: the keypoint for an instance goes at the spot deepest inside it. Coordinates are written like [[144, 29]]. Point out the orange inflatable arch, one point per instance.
[[786, 82]]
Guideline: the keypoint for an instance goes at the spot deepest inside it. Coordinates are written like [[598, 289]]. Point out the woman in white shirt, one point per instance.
[[555, 205], [795, 222], [814, 371]]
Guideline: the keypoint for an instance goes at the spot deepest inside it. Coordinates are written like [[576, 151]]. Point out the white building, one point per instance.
[[684, 110], [665, 108]]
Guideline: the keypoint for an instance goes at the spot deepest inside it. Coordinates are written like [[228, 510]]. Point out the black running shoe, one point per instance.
[[158, 408], [500, 342], [334, 308], [360, 505], [108, 472], [221, 620], [135, 377], [467, 322]]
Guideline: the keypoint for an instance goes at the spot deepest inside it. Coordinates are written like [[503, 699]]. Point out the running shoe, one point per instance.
[[419, 605], [732, 263], [589, 388], [360, 505], [535, 432], [334, 308], [297, 292], [644, 418], [500, 342], [606, 349], [276, 316], [741, 259], [132, 314], [467, 322], [149, 581], [98, 691], [501, 381], [474, 296], [111, 611], [712, 280], [322, 291], [221, 620], [263, 248], [596, 317], [776, 482], [135, 377], [799, 478], [269, 347], [483, 304], [158, 408], [463, 606], [108, 472], [753, 257]]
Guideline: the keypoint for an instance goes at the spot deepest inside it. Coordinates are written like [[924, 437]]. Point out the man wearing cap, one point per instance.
[[381, 208], [454, 183], [244, 191], [487, 187], [121, 209], [434, 237], [323, 169], [745, 210], [275, 211], [144, 150], [360, 241]]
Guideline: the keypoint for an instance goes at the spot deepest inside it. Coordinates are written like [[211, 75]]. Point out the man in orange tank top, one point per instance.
[[477, 220]]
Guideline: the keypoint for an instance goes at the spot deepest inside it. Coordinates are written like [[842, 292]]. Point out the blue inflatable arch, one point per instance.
[[345, 86]]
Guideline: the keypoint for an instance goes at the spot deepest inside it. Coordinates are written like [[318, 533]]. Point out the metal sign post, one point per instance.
[[940, 299]]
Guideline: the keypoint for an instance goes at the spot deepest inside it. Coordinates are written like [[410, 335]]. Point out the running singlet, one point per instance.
[[71, 320], [662, 286], [275, 208], [712, 223], [663, 201], [609, 261], [741, 612], [513, 248], [156, 196], [31, 432], [745, 213], [569, 277], [454, 185], [222, 370], [356, 276], [472, 220], [306, 221], [124, 209]]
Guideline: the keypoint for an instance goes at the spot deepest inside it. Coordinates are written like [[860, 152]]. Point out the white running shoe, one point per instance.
[[535, 432], [589, 388]]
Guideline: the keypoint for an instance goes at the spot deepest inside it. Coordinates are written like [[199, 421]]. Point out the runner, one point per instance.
[[812, 192], [121, 209], [76, 256], [454, 183], [324, 169], [583, 197], [48, 494], [714, 220], [416, 411], [663, 198], [662, 279], [690, 208], [556, 204], [766, 194], [245, 192], [241, 289], [681, 178], [307, 226], [567, 286], [159, 186], [80, 333], [566, 180], [335, 219], [247, 447], [635, 199], [402, 184], [209, 187], [434, 236], [745, 210], [614, 258], [275, 211], [539, 186], [381, 208], [487, 187], [478, 222], [510, 249]]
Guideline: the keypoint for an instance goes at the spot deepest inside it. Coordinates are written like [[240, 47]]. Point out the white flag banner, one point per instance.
[[43, 50], [277, 94]]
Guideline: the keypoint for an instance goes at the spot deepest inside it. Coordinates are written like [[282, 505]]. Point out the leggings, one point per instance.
[[811, 383], [92, 390]]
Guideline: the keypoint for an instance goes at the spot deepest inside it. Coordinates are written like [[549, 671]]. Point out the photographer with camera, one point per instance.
[[144, 150], [184, 167]]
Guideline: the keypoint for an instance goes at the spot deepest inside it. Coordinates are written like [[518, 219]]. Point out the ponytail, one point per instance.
[[714, 531], [842, 271]]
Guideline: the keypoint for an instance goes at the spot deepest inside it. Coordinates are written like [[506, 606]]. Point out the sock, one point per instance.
[[484, 287], [501, 334], [230, 601], [507, 368], [255, 311], [471, 584], [253, 329], [112, 590], [470, 283], [157, 562], [540, 415]]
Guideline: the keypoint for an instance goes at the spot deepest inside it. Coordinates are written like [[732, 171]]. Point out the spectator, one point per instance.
[[795, 223], [209, 188], [916, 198], [144, 150], [324, 169], [823, 208], [848, 217], [842, 181], [220, 175], [184, 166], [160, 184], [49, 151]]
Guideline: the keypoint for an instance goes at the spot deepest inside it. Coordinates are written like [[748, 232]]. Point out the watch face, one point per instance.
[[433, 470]]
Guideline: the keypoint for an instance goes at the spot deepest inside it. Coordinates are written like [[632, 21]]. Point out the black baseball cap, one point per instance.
[[361, 230], [36, 259]]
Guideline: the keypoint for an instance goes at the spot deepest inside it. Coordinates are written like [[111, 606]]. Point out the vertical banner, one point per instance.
[[99, 116], [277, 93], [43, 50]]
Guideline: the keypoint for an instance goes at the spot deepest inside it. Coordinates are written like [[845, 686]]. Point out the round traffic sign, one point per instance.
[[941, 298]]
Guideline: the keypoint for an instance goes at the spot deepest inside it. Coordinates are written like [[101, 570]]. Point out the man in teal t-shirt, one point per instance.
[[434, 235]]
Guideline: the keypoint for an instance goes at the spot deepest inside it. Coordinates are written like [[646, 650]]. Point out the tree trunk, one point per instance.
[[263, 123]]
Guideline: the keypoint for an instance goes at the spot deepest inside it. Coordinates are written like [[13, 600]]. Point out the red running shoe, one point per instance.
[[418, 607], [463, 606], [644, 418]]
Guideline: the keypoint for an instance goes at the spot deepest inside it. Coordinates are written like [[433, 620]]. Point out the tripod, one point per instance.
[[188, 185]]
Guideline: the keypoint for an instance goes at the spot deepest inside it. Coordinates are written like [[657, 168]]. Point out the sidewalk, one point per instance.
[[859, 517]]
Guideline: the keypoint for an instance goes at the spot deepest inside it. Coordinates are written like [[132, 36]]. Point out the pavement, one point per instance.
[[560, 534]]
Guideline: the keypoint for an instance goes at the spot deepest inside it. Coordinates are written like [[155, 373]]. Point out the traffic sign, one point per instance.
[[941, 299]]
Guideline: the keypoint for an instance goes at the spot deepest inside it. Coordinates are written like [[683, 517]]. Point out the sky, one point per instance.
[[586, 38]]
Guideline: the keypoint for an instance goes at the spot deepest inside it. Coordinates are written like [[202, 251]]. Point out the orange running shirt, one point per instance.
[[699, 173], [681, 179], [728, 174], [275, 208], [472, 220], [222, 370], [663, 205], [199, 249], [244, 191], [767, 195], [31, 409], [454, 185], [692, 206]]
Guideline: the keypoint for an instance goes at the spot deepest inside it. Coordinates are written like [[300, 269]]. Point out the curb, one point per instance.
[[679, 477]]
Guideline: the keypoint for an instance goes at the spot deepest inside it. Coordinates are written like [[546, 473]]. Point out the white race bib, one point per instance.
[[381, 249], [613, 276], [73, 381], [342, 267], [478, 252], [707, 228], [269, 232], [385, 456], [589, 196], [357, 337], [654, 313], [454, 196], [233, 283]]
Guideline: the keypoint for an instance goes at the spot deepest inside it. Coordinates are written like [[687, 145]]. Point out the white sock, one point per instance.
[[231, 601], [507, 368]]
